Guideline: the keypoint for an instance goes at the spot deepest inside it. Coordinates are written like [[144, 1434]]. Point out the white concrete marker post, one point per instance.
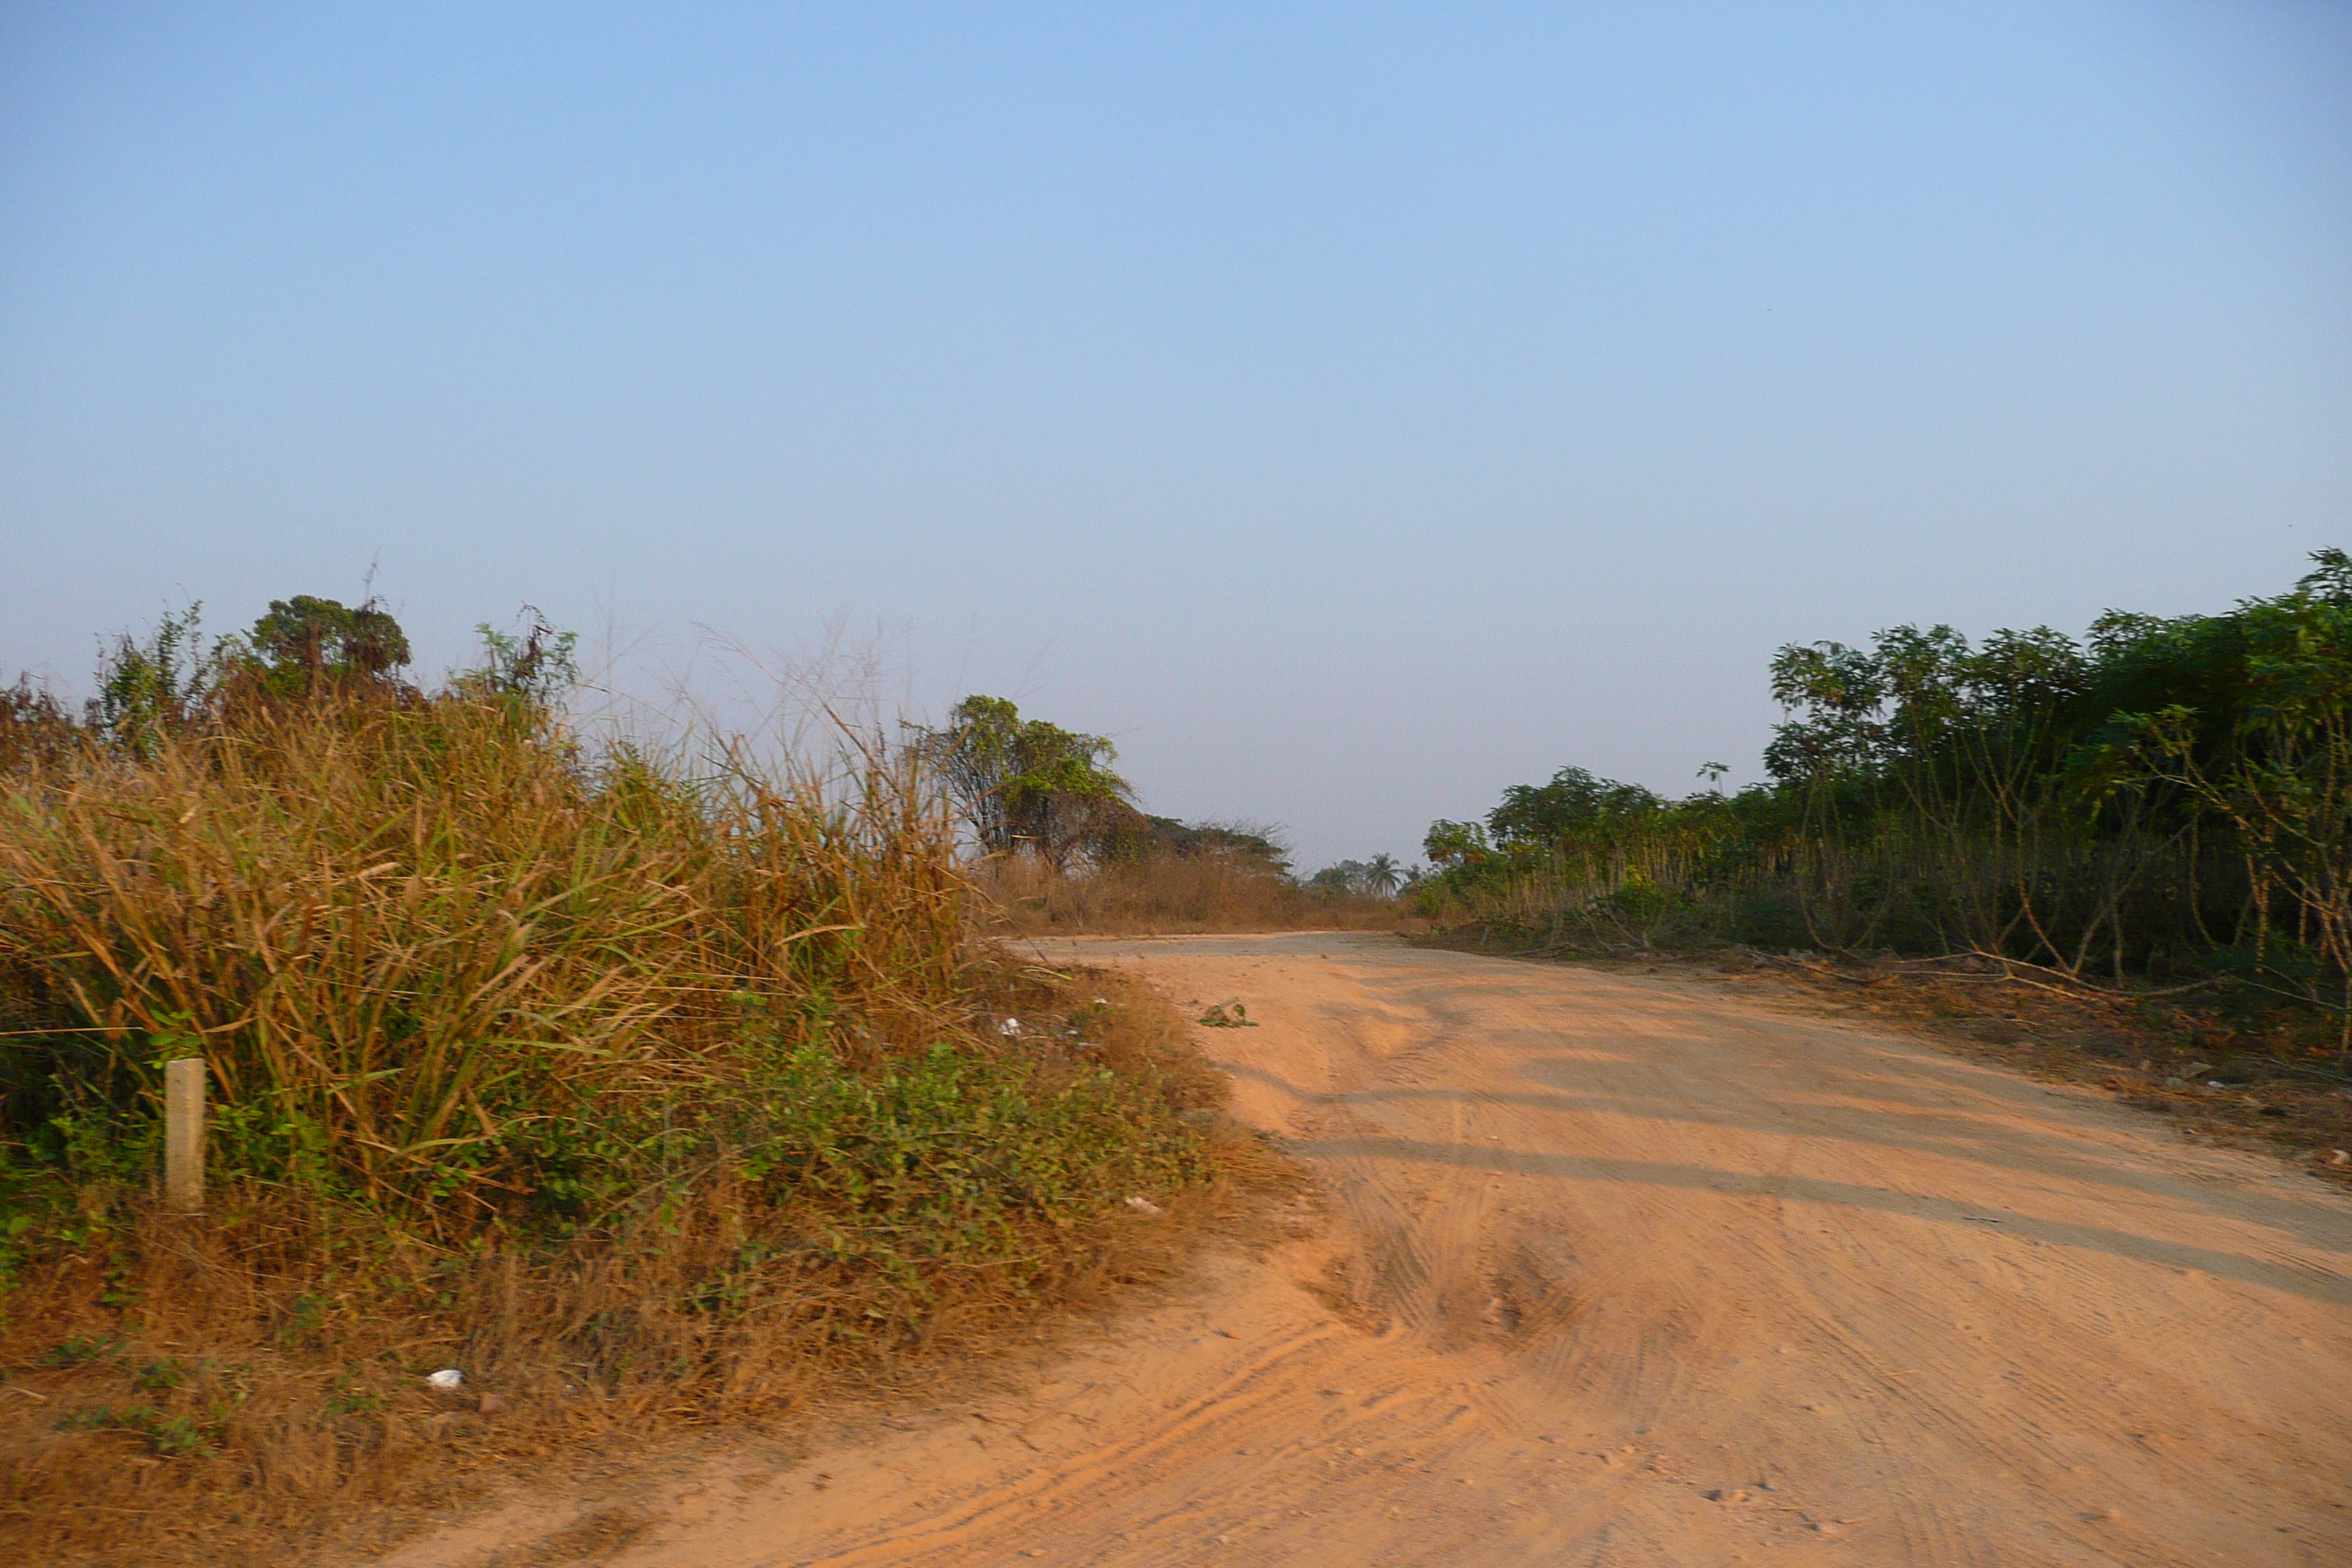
[[183, 1133]]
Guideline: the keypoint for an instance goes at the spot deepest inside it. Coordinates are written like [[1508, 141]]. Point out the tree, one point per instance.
[[1250, 845], [304, 641], [1455, 844], [2283, 782], [1574, 802], [1023, 783], [171, 681], [533, 667], [1377, 877], [147, 690], [1343, 880]]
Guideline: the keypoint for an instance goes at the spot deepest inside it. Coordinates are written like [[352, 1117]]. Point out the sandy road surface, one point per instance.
[[1624, 1271]]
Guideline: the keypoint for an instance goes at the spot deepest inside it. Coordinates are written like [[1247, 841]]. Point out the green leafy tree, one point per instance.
[[1451, 844], [2284, 783], [1575, 803], [2166, 796], [535, 667], [148, 689], [1251, 845], [1377, 877], [304, 642], [1345, 880], [1026, 785]]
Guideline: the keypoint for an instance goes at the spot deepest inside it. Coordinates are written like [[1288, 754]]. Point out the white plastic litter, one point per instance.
[[1142, 1206], [1010, 1027], [447, 1378]]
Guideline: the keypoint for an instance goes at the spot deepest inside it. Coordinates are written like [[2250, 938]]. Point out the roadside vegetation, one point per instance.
[[2161, 811], [636, 1084], [1062, 846]]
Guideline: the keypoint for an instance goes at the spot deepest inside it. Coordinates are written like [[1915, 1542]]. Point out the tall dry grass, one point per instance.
[[640, 1086], [426, 946]]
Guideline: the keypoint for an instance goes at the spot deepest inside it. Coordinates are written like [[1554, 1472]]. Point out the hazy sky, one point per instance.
[[1352, 409]]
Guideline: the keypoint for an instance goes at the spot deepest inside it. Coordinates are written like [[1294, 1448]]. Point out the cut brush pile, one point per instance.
[[627, 1089]]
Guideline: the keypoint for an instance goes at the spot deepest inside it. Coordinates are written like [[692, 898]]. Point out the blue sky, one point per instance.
[[1350, 409]]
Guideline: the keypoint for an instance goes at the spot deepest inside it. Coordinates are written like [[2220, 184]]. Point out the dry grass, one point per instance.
[[644, 1090], [436, 951], [178, 1391], [1167, 895]]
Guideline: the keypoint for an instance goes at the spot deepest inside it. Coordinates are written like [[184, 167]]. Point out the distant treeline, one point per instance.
[[2166, 798], [1030, 790]]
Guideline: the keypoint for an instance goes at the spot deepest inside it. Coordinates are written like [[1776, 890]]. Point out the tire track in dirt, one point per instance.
[[1621, 1270]]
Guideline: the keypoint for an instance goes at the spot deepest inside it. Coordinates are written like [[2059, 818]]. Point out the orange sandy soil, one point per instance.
[[1611, 1269]]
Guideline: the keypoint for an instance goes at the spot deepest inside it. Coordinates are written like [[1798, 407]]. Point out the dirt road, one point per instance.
[[1619, 1270]]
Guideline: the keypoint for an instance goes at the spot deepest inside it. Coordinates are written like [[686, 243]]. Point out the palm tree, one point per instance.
[[1382, 876]]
